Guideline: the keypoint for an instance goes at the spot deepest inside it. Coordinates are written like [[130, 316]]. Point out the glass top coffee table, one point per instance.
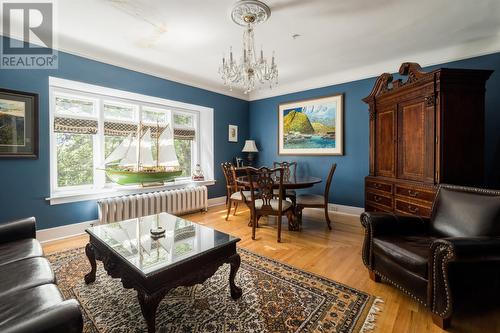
[[187, 254]]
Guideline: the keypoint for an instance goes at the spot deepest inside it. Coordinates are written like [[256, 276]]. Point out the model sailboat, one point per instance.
[[132, 161]]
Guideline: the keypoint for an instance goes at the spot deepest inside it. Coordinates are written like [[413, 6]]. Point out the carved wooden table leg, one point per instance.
[[89, 251], [149, 304], [234, 261]]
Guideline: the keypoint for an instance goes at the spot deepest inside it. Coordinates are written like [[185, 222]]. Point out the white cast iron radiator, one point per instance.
[[180, 201]]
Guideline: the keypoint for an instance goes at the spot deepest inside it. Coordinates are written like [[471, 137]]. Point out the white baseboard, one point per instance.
[[65, 231], [217, 201], [350, 210]]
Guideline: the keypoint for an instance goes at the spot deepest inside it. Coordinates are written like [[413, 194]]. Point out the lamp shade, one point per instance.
[[250, 147]]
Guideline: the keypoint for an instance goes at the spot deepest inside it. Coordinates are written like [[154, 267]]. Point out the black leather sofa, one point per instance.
[[29, 298], [432, 259]]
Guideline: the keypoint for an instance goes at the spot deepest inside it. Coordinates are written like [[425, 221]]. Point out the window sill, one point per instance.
[[62, 197]]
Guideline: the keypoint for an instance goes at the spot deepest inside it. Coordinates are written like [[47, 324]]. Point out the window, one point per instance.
[[184, 124], [88, 123], [74, 159]]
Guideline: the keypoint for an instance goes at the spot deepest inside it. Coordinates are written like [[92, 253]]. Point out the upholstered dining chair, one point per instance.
[[263, 200], [317, 201], [234, 194], [289, 172], [427, 258]]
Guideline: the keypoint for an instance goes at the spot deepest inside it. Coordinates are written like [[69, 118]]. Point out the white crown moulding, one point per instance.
[[435, 57]]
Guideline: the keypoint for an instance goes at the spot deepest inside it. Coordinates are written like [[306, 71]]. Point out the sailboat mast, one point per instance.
[[139, 129], [157, 144]]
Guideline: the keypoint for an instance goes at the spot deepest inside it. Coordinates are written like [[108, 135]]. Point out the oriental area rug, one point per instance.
[[276, 298]]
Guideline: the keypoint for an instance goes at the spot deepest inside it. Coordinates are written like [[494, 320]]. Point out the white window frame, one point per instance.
[[202, 154]]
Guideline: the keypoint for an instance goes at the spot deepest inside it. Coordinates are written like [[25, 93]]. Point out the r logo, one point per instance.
[[28, 41], [29, 26]]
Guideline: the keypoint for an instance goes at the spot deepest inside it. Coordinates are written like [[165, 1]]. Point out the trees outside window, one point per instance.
[[87, 128], [74, 159]]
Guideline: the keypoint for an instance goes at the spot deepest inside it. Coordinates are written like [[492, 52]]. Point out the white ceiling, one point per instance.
[[340, 40]]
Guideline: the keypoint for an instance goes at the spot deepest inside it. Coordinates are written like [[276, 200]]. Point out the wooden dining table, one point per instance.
[[291, 183]]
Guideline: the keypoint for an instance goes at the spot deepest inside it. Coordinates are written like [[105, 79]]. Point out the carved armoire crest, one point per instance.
[[425, 130]]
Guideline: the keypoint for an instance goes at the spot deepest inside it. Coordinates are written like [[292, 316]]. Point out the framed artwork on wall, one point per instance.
[[233, 133], [18, 124], [312, 126]]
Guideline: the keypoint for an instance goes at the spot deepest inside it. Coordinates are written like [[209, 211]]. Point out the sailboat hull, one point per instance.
[[124, 177]]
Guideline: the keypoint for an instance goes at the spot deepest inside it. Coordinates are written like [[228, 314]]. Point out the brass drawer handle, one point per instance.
[[413, 210], [377, 198], [376, 185], [412, 193]]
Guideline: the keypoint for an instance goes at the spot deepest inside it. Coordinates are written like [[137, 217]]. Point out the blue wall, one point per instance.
[[25, 183], [348, 183]]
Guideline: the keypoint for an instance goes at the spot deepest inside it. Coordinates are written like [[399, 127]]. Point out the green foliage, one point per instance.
[[153, 116], [74, 159], [297, 122], [118, 112], [111, 142], [180, 119], [320, 128], [183, 148], [183, 151]]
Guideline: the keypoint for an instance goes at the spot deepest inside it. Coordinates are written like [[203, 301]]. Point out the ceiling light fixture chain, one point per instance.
[[252, 69]]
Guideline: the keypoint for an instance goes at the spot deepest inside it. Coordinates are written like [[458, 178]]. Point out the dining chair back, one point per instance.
[[234, 193], [229, 175], [289, 169], [307, 200], [264, 201], [329, 183], [289, 173]]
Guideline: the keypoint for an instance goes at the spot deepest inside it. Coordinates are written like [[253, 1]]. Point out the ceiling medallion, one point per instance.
[[250, 11], [251, 69]]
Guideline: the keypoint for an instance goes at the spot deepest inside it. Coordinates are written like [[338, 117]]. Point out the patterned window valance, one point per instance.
[[154, 129], [124, 129], [119, 129], [75, 126], [184, 133], [89, 126]]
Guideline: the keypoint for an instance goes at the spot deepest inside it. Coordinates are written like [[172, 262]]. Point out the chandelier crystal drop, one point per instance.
[[252, 69]]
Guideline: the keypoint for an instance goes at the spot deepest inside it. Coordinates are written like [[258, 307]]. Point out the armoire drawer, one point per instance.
[[414, 193], [374, 208], [379, 199], [412, 208], [378, 185]]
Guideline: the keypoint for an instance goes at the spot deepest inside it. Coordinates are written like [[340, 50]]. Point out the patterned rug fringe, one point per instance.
[[371, 318]]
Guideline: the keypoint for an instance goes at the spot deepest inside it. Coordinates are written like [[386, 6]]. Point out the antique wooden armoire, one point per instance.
[[425, 130]]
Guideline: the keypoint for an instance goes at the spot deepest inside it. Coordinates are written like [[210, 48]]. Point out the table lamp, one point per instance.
[[251, 149]]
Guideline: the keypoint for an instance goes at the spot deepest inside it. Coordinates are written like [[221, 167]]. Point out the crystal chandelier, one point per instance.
[[252, 69]]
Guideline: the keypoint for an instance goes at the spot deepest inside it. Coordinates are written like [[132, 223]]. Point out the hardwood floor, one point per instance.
[[335, 254]]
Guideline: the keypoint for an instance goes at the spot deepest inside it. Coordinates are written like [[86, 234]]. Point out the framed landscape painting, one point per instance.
[[312, 127], [18, 124]]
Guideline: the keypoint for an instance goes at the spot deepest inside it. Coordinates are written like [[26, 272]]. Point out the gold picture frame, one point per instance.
[[312, 126]]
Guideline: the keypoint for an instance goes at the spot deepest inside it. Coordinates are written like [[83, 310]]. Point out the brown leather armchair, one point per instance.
[[417, 254]]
